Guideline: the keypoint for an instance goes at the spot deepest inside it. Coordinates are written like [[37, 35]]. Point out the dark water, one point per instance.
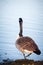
[[32, 15]]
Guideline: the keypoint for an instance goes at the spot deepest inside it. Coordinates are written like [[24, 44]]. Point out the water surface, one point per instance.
[[32, 14]]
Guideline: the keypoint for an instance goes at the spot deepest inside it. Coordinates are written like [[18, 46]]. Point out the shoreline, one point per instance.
[[22, 62]]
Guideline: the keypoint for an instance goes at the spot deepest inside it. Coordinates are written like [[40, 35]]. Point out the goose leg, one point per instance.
[[24, 56], [28, 55]]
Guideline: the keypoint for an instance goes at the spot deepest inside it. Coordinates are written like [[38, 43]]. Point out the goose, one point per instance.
[[26, 44]]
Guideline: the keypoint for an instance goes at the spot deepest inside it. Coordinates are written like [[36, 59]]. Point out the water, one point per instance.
[[8, 36], [9, 27]]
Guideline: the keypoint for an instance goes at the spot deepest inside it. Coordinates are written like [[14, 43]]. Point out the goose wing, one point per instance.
[[26, 43]]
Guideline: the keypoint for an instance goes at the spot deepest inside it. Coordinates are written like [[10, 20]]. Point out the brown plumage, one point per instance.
[[26, 44]]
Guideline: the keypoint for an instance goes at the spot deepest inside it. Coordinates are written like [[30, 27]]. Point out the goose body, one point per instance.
[[26, 44]]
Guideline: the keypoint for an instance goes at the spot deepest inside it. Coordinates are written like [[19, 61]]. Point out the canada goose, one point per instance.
[[26, 44]]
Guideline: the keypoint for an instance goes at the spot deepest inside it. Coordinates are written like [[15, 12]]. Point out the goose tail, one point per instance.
[[38, 52]]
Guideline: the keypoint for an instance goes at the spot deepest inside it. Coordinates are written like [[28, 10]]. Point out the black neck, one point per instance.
[[20, 33]]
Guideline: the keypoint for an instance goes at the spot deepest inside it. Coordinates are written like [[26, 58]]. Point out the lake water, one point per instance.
[[9, 28], [8, 34]]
